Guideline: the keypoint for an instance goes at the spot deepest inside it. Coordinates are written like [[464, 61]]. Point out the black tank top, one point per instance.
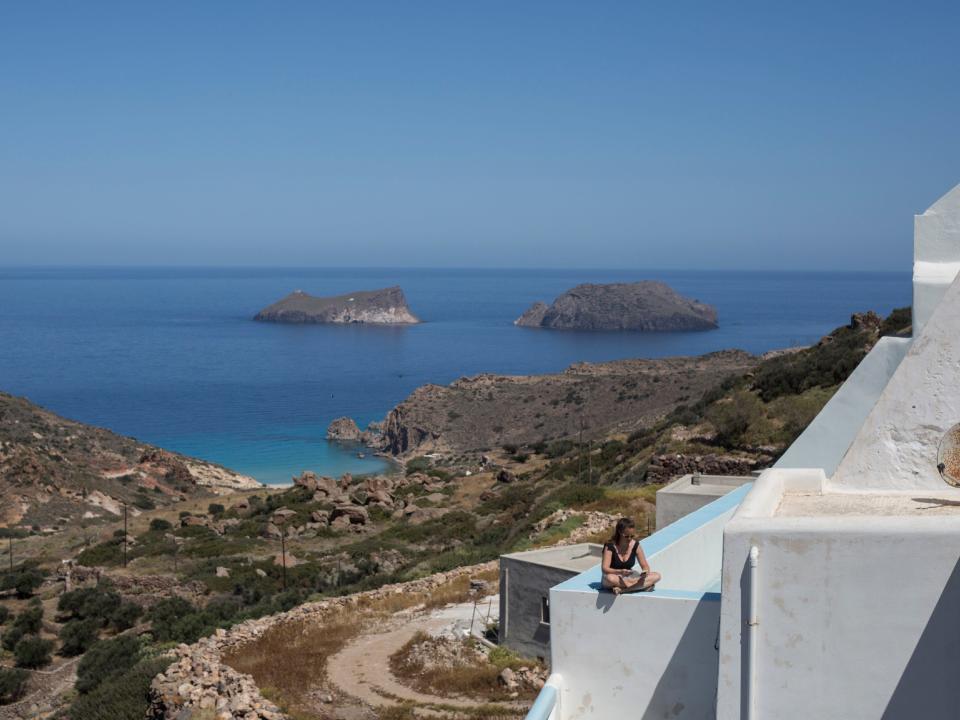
[[616, 563]]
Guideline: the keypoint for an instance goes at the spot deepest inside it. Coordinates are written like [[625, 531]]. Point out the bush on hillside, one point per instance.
[[105, 659], [121, 696], [13, 684], [30, 620], [77, 636], [160, 525], [732, 418], [33, 652], [4, 614]]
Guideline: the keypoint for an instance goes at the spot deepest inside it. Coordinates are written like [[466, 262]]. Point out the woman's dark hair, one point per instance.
[[623, 524]]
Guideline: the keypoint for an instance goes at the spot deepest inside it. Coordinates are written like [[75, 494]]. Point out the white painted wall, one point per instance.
[[896, 447], [826, 439], [859, 616], [695, 559], [936, 254], [634, 656]]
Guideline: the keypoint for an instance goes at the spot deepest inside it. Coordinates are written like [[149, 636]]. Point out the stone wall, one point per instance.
[[198, 680]]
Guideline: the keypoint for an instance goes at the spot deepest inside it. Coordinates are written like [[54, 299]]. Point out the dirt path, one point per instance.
[[362, 668]]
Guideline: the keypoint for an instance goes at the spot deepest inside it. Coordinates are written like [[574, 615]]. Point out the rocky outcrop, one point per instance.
[[199, 684], [377, 307], [343, 429], [648, 306]]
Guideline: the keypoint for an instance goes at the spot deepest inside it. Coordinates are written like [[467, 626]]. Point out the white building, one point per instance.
[[830, 588]]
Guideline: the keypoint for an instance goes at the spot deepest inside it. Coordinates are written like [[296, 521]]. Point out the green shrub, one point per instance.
[[215, 509], [11, 637], [732, 418], [4, 614], [160, 525], [95, 602], [417, 464], [30, 620], [559, 448], [122, 696], [125, 616], [144, 503], [77, 636], [13, 684], [105, 659], [33, 652], [106, 553], [897, 322], [27, 581]]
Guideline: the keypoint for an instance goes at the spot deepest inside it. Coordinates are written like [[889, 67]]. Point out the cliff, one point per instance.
[[54, 471], [376, 307], [649, 306]]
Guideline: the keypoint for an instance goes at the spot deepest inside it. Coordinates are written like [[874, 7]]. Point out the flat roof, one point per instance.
[[706, 484], [575, 558], [919, 503]]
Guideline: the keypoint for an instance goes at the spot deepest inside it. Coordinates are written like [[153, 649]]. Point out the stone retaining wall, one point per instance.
[[198, 680]]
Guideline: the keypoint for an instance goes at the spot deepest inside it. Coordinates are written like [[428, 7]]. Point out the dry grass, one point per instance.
[[290, 659], [477, 681]]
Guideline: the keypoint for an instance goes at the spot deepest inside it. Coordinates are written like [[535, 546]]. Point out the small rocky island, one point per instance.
[[649, 306], [375, 307]]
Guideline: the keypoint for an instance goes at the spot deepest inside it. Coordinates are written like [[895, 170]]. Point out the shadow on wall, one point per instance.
[[744, 639], [688, 686], [928, 686]]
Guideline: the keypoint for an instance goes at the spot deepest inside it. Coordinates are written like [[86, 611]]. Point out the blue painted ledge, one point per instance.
[[589, 581]]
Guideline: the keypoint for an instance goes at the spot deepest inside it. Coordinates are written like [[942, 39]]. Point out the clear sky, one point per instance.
[[498, 134]]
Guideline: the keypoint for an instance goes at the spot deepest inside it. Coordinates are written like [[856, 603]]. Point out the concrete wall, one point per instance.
[[522, 586], [826, 439], [936, 250], [680, 498], [896, 448], [859, 616], [647, 655], [634, 656]]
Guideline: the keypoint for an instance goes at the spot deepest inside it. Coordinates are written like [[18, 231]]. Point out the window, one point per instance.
[[545, 610]]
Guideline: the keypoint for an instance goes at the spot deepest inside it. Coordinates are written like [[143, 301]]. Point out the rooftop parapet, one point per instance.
[[936, 255]]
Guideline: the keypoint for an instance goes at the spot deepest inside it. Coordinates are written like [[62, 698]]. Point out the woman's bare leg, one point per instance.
[[650, 579], [618, 583]]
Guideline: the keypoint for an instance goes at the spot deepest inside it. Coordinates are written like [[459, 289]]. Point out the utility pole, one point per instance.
[[580, 456], [590, 460], [10, 548], [124, 534], [283, 553]]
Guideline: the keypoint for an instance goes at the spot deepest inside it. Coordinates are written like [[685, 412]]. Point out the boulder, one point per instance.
[[354, 514], [321, 517], [505, 476], [343, 429]]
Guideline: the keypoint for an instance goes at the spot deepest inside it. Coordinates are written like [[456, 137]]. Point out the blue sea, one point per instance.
[[172, 357]]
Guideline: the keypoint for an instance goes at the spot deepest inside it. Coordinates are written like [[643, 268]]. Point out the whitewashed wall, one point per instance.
[[859, 617]]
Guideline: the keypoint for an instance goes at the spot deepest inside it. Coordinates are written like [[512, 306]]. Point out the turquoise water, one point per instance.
[[172, 357]]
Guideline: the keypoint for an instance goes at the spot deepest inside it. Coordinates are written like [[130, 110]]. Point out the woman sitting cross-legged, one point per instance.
[[620, 555]]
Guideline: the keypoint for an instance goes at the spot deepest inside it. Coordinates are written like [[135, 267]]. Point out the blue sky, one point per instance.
[[494, 134]]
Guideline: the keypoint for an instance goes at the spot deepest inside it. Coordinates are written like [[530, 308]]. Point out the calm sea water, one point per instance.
[[172, 357]]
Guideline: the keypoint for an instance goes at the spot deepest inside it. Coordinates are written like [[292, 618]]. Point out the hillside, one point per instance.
[[476, 414], [54, 471], [199, 566]]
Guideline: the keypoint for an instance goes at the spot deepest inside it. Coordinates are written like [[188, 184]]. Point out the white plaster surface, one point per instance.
[[868, 504], [634, 656], [936, 251], [826, 439], [896, 448], [857, 618]]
